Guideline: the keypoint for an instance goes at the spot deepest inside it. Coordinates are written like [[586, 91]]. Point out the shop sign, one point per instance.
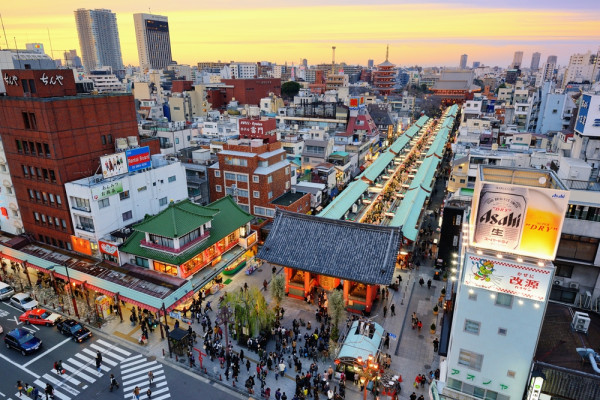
[[106, 190], [113, 165], [138, 158], [108, 248], [81, 245]]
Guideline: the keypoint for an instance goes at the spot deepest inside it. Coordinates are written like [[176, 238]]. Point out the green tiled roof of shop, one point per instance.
[[378, 166], [177, 219], [228, 217], [342, 203]]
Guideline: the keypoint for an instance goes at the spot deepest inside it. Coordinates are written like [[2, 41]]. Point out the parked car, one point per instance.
[[70, 327], [39, 316], [23, 301], [6, 291], [22, 340]]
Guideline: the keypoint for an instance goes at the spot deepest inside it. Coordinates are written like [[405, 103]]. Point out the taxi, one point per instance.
[[39, 316]]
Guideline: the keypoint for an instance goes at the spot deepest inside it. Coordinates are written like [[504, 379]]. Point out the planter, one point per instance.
[[234, 270]]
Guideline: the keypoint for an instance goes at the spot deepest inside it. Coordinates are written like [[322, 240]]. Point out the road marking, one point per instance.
[[143, 387], [142, 397], [133, 363], [164, 396], [89, 361], [69, 378], [113, 347], [17, 321], [28, 329], [46, 352], [56, 392], [85, 367], [19, 366], [144, 377], [126, 371], [79, 373], [104, 359], [143, 371], [109, 353], [61, 384]]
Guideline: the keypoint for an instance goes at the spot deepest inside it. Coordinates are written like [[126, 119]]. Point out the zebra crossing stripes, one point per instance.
[[134, 373]]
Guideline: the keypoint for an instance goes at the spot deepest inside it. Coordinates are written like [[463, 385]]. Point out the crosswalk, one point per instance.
[[134, 373], [80, 370]]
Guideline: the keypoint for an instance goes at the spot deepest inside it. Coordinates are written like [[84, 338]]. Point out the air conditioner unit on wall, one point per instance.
[[581, 322], [558, 281], [574, 285]]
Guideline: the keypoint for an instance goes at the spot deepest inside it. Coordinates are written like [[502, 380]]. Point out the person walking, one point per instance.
[[421, 282], [113, 382], [150, 378], [429, 284], [384, 311], [136, 393], [393, 309], [98, 360], [49, 391], [265, 284], [20, 388], [436, 344]]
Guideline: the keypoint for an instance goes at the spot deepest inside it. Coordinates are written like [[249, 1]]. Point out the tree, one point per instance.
[[290, 89], [250, 311], [337, 311], [278, 289]]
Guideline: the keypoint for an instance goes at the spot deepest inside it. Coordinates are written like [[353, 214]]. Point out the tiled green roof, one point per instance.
[[227, 218], [177, 220]]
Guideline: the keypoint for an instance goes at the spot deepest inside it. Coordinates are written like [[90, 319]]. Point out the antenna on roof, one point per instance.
[[17, 49], [50, 40], [4, 31], [387, 52]]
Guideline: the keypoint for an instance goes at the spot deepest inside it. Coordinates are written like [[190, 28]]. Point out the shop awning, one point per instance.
[[360, 342]]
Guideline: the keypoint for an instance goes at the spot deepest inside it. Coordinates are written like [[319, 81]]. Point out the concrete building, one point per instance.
[[99, 39], [153, 41], [10, 215], [22, 59], [463, 61], [517, 60], [582, 68], [97, 210], [535, 61]]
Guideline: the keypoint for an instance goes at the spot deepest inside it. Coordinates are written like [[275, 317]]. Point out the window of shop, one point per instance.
[[576, 247], [165, 268], [142, 262], [470, 359], [504, 300], [563, 270], [162, 241]]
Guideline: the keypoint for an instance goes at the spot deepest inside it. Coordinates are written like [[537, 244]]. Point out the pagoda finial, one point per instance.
[[387, 52]]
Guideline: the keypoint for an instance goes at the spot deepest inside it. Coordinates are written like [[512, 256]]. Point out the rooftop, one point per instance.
[[287, 198], [177, 219]]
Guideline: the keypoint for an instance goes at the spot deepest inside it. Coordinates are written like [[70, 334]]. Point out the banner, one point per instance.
[[108, 248], [138, 158], [113, 165], [518, 279], [81, 245], [518, 219], [106, 190]]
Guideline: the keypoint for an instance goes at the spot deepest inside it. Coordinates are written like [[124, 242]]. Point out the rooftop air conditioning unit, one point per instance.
[[574, 285], [558, 281], [581, 322]]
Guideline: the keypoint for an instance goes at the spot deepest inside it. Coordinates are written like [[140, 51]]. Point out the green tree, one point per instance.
[[278, 288], [290, 89], [337, 312], [250, 311]]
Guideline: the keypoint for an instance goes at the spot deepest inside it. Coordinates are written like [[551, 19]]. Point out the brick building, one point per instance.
[[51, 136], [264, 129], [180, 86], [256, 175], [250, 91]]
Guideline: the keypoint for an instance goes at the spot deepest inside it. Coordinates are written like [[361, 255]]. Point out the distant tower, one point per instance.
[[305, 63], [153, 40], [333, 60], [370, 64], [535, 61], [549, 68], [463, 61], [517, 60], [99, 39], [384, 76]]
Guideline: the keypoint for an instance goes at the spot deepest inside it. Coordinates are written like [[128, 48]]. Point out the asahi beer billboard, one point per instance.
[[524, 220], [518, 279]]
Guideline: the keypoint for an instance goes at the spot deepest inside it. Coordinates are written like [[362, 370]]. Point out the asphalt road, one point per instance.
[[82, 380]]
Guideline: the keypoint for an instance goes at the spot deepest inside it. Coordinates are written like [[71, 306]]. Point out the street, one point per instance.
[[81, 378]]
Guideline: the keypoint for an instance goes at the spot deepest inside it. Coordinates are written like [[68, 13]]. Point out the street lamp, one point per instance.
[[369, 371], [51, 268]]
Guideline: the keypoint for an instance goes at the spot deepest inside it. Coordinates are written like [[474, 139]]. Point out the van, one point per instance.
[[6, 291]]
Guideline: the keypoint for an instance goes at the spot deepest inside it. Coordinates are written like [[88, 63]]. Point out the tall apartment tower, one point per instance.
[[463, 61], [153, 40], [549, 68], [582, 68], [99, 39], [517, 59], [51, 135], [535, 61]]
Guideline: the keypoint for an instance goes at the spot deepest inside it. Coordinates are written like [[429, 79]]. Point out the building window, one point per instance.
[[218, 188], [229, 176], [39, 148], [79, 203], [256, 194], [51, 196], [576, 247], [470, 359], [242, 178], [141, 189], [242, 193], [103, 203], [142, 262], [504, 300], [25, 171], [502, 331], [270, 195], [110, 138], [255, 179], [52, 176], [63, 223], [124, 195], [103, 139], [472, 326], [26, 122], [269, 179], [287, 185], [36, 216], [127, 215], [165, 268], [43, 218], [58, 200], [267, 212], [87, 224], [47, 149], [19, 146], [245, 207], [217, 173], [172, 178], [162, 202]]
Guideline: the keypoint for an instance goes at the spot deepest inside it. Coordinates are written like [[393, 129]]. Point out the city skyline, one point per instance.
[[418, 34]]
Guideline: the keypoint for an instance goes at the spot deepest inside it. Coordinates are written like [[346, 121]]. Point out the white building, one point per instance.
[[240, 70], [582, 67], [10, 215], [100, 206]]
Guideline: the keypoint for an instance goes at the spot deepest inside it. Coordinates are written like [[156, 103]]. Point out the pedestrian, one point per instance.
[[419, 325], [421, 281], [393, 309], [150, 378], [136, 393], [384, 311], [436, 344], [20, 387], [149, 393], [242, 355], [413, 396], [247, 365], [49, 391], [429, 284], [35, 395], [113, 382], [421, 397], [265, 284], [423, 380], [98, 360], [386, 343]]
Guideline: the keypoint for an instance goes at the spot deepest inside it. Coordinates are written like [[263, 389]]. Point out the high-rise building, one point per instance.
[[517, 60], [535, 61], [99, 39], [153, 40], [463, 61], [582, 68], [549, 68], [370, 63], [476, 64]]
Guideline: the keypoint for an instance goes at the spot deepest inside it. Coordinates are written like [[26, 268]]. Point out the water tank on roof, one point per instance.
[[132, 141], [121, 144]]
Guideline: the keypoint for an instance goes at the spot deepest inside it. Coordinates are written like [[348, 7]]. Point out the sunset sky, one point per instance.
[[283, 30]]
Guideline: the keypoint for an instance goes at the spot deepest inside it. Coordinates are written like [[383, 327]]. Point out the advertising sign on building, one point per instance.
[[109, 249], [81, 245], [584, 106], [106, 190], [503, 276], [258, 129], [138, 158], [113, 165], [518, 219]]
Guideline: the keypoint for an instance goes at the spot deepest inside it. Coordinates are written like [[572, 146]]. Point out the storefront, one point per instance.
[[363, 340]]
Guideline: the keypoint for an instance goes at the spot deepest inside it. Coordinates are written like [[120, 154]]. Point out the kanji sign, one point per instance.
[[12, 80], [51, 80], [106, 190], [518, 279]]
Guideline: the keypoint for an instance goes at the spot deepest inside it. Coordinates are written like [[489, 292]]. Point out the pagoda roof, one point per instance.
[[386, 63]]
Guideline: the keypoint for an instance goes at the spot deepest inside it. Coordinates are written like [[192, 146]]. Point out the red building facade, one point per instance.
[[52, 136], [264, 129], [250, 91]]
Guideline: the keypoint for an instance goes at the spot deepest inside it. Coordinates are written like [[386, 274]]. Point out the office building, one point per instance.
[[463, 61], [517, 60], [582, 68], [535, 61], [99, 39], [476, 64], [549, 68], [370, 64], [153, 41]]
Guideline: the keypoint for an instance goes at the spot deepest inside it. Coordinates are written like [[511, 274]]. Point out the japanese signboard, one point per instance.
[[113, 165], [584, 106], [138, 158], [250, 128], [498, 275], [81, 245], [518, 219], [108, 248], [106, 190]]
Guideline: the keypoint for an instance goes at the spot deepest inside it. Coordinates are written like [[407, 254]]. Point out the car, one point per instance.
[[22, 340], [6, 291], [23, 301], [1, 330], [70, 327], [39, 316]]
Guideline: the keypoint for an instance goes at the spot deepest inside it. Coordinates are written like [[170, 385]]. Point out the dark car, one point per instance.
[[70, 327], [22, 340]]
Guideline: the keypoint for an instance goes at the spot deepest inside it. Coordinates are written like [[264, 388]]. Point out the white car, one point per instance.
[[23, 301], [5, 291]]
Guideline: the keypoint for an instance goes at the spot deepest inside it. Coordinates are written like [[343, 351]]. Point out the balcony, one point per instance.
[[171, 250]]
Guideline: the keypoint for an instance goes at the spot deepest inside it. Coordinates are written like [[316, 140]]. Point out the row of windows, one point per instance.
[[583, 212], [49, 220], [267, 212], [54, 242], [108, 138], [39, 173], [475, 391], [33, 148], [29, 120], [46, 198], [576, 247], [474, 327]]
